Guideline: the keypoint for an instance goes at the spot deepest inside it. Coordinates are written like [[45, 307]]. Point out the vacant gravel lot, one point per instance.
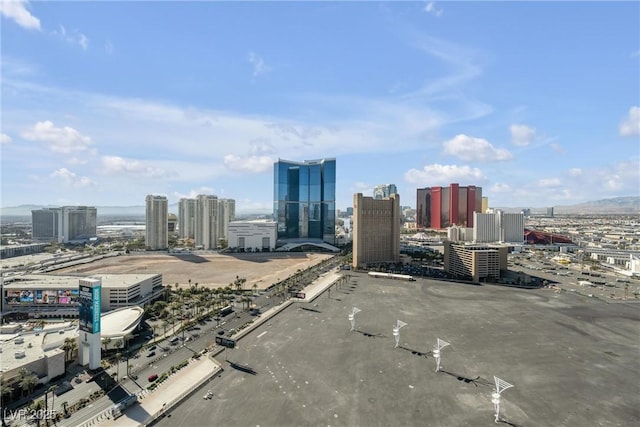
[[207, 269]]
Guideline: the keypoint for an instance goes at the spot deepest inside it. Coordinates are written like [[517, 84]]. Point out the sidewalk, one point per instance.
[[152, 404]]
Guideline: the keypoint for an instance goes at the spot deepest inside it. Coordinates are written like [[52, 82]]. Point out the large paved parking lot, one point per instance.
[[573, 361]]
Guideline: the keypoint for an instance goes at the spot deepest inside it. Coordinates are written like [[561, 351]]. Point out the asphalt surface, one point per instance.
[[573, 361]]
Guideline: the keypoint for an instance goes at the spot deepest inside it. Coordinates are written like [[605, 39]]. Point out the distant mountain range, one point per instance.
[[616, 205], [109, 211]]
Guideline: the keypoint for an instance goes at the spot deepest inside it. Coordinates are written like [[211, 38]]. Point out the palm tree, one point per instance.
[[106, 341], [118, 358], [52, 389], [5, 390], [35, 407], [67, 348], [28, 380], [164, 325]]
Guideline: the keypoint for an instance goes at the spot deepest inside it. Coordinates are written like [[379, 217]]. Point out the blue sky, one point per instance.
[[106, 102]]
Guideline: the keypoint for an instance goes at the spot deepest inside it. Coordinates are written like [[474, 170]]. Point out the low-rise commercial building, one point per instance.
[[46, 295], [479, 263], [253, 235]]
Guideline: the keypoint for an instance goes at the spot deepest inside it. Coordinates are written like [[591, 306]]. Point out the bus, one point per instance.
[[225, 310]]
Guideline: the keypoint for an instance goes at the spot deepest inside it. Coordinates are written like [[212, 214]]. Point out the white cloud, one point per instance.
[[5, 139], [575, 172], [471, 149], [119, 165], [62, 140], [549, 183], [522, 135], [259, 66], [16, 10], [253, 164], [73, 37], [557, 148], [500, 187], [432, 9], [70, 178], [630, 125], [194, 192], [436, 174]]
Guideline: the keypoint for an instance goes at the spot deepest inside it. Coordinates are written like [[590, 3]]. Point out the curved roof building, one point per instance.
[[120, 323]]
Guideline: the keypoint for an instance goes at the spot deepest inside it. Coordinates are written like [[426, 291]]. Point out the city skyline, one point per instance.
[[180, 99]]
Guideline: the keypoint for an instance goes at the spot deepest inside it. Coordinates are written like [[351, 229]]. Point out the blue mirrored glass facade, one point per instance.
[[305, 199]]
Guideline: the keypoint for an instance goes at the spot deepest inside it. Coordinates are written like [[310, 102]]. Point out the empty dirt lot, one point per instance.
[[206, 269]]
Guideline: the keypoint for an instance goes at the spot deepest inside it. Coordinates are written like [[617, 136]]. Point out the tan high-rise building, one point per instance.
[[156, 231], [376, 229]]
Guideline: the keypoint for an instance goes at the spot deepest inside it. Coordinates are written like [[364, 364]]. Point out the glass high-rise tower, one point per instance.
[[304, 203]]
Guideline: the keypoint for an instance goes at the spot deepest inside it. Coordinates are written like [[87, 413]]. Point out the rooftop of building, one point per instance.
[[120, 322], [50, 281], [28, 345]]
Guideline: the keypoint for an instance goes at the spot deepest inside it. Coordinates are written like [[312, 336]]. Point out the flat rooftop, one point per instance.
[[35, 345], [53, 281], [573, 360]]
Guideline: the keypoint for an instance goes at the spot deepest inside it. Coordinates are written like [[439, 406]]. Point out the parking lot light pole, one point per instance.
[[352, 317], [396, 331], [501, 386], [440, 344]]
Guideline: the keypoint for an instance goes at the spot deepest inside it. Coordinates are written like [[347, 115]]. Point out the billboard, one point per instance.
[[42, 296], [89, 308]]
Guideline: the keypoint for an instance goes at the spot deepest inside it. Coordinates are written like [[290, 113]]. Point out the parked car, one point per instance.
[[151, 354], [152, 377]]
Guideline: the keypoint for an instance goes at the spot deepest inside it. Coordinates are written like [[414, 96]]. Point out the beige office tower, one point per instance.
[[376, 230], [206, 233], [485, 204], [156, 217]]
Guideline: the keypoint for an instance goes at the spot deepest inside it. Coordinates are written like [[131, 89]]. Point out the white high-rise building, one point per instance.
[[157, 220], [206, 222], [498, 227], [226, 214], [513, 227], [187, 218]]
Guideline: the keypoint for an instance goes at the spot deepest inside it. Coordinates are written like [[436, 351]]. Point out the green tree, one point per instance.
[[6, 393], [27, 380], [70, 344], [52, 389]]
